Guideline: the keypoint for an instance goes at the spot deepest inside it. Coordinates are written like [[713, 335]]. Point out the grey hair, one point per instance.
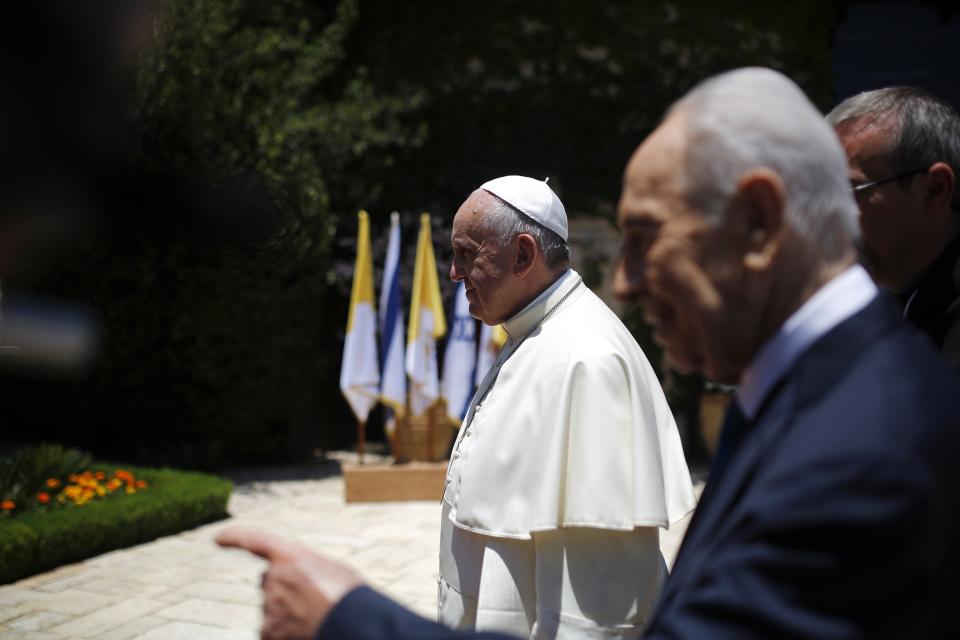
[[926, 129], [507, 222], [758, 118]]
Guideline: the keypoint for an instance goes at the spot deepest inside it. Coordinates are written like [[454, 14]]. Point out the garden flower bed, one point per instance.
[[98, 509]]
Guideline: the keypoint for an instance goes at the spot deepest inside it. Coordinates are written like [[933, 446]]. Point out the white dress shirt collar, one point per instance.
[[840, 298]]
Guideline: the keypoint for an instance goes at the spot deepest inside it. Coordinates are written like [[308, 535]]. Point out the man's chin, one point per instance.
[[883, 276], [682, 363], [485, 320], [688, 363], [474, 312], [723, 372]]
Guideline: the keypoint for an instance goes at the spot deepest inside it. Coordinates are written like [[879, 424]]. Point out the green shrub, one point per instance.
[[24, 474], [175, 501]]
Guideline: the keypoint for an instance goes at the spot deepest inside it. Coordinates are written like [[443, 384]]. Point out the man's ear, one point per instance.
[[941, 183], [762, 200], [526, 256]]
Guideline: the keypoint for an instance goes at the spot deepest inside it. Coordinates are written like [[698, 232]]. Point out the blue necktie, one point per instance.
[[735, 426]]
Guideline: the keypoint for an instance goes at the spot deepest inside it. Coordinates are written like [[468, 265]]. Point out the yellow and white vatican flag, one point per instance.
[[359, 371], [393, 379], [427, 323], [491, 341], [460, 358]]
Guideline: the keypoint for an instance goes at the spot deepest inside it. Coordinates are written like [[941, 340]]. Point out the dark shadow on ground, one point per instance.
[[324, 464]]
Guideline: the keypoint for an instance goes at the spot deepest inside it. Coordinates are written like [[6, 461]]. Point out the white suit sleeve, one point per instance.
[[596, 583]]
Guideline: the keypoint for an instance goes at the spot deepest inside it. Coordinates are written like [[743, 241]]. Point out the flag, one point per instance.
[[460, 358], [491, 340], [426, 325], [393, 382], [359, 372]]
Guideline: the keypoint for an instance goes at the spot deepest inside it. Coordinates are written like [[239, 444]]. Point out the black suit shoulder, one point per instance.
[[840, 518]]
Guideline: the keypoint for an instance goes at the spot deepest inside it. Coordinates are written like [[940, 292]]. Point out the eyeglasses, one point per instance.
[[857, 188]]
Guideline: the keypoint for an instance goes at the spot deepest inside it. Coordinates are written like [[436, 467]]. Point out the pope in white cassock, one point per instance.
[[568, 460]]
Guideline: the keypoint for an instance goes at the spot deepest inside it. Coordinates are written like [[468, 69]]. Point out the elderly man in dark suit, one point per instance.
[[832, 506], [831, 510]]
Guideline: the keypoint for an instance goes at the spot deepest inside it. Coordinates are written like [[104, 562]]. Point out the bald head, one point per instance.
[[734, 211], [756, 117]]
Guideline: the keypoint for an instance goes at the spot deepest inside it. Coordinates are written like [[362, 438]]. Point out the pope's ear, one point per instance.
[[762, 200], [526, 255]]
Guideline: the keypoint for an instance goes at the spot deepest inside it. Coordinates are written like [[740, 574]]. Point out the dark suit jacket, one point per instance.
[[935, 304], [836, 518], [838, 515], [366, 615]]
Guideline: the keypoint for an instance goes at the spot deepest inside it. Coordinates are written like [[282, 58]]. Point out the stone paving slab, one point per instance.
[[95, 624], [187, 631], [184, 586], [39, 621], [135, 628]]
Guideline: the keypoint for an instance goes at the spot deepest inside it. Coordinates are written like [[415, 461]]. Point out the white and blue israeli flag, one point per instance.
[[460, 358], [393, 378]]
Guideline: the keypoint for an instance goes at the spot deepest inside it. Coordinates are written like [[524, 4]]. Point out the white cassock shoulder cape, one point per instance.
[[570, 428]]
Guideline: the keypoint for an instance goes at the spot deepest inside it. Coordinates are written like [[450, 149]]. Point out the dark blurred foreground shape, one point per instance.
[[77, 211]]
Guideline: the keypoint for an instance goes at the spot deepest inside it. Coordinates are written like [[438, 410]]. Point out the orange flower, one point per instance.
[[8, 505], [100, 475], [129, 490], [126, 476], [141, 484], [43, 497], [52, 483], [114, 484]]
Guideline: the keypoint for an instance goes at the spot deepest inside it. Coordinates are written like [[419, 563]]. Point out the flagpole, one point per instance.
[[430, 417], [401, 436], [392, 437], [361, 439]]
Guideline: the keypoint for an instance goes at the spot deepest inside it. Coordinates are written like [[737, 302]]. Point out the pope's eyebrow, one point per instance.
[[463, 245]]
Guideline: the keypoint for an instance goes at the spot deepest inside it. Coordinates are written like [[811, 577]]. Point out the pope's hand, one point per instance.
[[300, 587]]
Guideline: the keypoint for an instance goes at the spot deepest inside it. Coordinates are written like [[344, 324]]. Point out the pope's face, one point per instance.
[[482, 264], [673, 261]]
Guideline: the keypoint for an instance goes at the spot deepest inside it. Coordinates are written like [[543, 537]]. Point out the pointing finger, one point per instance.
[[260, 543]]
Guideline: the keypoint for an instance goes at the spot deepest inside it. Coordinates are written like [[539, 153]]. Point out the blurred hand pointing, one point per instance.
[[300, 587]]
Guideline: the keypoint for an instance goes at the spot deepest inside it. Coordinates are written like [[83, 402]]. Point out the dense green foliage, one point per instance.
[[24, 474], [553, 88], [176, 501], [227, 349]]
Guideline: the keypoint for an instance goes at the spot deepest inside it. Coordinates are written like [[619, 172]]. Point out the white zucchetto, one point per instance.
[[534, 198]]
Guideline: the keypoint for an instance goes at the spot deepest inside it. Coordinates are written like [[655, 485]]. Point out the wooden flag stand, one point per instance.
[[419, 448]]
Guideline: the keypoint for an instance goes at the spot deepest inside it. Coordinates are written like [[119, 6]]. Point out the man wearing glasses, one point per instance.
[[903, 145]]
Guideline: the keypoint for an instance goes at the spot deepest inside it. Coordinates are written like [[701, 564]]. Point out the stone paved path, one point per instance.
[[185, 587]]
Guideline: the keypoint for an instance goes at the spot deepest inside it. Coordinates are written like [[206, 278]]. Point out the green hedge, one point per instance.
[[175, 501]]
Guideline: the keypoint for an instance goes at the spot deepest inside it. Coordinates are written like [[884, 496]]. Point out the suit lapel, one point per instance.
[[815, 372], [718, 498]]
